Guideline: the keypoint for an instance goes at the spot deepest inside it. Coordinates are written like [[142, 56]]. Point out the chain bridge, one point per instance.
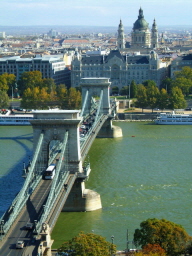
[[62, 138]]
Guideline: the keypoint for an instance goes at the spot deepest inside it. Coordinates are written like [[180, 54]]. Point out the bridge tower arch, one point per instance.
[[100, 87], [54, 124], [92, 87]]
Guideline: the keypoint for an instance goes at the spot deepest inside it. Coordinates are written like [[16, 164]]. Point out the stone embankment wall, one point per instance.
[[136, 116]]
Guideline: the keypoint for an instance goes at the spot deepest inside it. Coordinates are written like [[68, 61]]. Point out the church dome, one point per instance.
[[140, 23]]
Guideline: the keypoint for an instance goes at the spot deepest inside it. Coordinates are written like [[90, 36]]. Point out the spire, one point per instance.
[[140, 13]]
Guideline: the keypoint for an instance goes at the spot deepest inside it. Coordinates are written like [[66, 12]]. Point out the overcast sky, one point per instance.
[[93, 12]]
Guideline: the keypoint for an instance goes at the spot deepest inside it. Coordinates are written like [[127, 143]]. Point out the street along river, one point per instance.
[[145, 174]]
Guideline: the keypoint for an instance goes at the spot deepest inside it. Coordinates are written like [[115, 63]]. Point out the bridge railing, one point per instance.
[[32, 180]]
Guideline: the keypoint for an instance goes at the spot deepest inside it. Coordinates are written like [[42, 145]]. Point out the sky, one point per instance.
[[93, 12]]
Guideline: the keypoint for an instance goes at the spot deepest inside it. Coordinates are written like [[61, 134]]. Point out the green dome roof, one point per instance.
[[140, 23]]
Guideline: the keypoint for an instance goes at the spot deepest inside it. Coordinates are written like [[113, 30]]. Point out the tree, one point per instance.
[[35, 98], [183, 83], [125, 90], [115, 90], [49, 84], [177, 100], [153, 249], [168, 235], [10, 81], [4, 99], [30, 80], [167, 84], [3, 84], [68, 99], [152, 96], [141, 97], [163, 99], [74, 99], [186, 72], [147, 83], [88, 245], [133, 89]]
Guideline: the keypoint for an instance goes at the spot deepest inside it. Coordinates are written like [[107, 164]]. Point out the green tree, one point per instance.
[[125, 90], [168, 235], [74, 99], [141, 97], [147, 83], [88, 245], [177, 100], [49, 84], [186, 72], [35, 98], [163, 99], [62, 96], [167, 84], [183, 83], [152, 96], [4, 99], [115, 90], [3, 84], [10, 81], [30, 80], [133, 89]]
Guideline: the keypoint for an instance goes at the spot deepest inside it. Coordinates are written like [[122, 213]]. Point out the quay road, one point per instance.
[[31, 212]]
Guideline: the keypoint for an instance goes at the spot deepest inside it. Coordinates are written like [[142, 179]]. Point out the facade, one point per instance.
[[180, 62], [50, 67], [120, 68]]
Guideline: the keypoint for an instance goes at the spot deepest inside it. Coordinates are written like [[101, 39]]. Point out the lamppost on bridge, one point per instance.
[[112, 240]]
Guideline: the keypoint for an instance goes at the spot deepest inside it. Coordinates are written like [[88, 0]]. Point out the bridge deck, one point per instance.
[[31, 212]]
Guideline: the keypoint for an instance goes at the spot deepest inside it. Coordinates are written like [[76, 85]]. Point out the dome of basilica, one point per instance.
[[140, 23]]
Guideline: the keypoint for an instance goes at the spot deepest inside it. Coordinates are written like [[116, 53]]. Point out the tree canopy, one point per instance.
[[168, 235], [88, 245], [4, 99]]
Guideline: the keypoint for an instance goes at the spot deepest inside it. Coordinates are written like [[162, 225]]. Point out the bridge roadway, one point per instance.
[[31, 212]]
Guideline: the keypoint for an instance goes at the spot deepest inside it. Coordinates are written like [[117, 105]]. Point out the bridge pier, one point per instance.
[[81, 199], [108, 130]]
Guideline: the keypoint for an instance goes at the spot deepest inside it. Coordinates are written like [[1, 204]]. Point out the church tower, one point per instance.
[[121, 37], [141, 34], [154, 35]]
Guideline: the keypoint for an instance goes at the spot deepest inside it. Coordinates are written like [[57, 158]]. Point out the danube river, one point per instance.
[[145, 174]]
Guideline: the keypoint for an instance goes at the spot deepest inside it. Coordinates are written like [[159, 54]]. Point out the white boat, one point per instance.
[[174, 118], [7, 119]]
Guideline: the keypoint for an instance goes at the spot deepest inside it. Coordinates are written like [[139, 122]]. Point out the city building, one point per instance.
[[50, 67], [120, 68]]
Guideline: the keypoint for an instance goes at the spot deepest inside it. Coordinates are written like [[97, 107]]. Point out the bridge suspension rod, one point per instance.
[[84, 103], [24, 192]]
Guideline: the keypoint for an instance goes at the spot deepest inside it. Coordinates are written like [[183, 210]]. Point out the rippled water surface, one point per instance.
[[145, 174]]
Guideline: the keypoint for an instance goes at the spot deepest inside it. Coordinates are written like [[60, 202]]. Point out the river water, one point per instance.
[[145, 174]]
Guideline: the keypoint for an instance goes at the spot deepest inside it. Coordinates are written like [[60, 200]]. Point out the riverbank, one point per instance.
[[141, 115]]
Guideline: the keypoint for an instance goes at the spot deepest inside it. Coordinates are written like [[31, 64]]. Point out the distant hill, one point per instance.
[[36, 30]]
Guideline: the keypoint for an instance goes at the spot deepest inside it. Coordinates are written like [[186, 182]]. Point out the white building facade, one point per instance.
[[120, 68]]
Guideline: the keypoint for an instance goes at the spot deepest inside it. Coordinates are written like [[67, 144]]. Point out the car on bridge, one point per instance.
[[19, 244], [29, 226]]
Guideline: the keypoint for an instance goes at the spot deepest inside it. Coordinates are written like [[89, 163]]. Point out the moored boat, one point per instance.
[[174, 118], [9, 119]]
